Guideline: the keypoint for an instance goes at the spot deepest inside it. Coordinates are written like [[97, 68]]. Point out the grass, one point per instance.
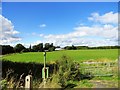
[[77, 55], [97, 55]]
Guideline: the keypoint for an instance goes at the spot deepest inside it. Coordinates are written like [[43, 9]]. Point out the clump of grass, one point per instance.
[[11, 82], [84, 84]]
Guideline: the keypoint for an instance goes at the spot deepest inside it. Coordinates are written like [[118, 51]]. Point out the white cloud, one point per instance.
[[98, 34], [105, 31], [77, 42], [8, 33], [84, 35], [43, 25], [95, 35], [34, 34], [106, 18], [41, 35]]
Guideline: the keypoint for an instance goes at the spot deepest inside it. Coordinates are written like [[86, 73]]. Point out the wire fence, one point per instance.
[[99, 68]]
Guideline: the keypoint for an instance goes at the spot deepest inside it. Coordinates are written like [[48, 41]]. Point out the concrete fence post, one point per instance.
[[28, 82]]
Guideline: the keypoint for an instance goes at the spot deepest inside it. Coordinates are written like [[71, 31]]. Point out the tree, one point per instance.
[[38, 47], [73, 47], [47, 46], [51, 49], [19, 47], [68, 48], [35, 48], [25, 50], [6, 49], [30, 49]]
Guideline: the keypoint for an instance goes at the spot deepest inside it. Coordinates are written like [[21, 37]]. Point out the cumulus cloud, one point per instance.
[[8, 33], [102, 36], [78, 42], [104, 33], [94, 35], [43, 25], [107, 18]]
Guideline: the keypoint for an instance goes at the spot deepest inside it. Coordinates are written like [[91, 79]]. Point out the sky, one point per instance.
[[60, 23]]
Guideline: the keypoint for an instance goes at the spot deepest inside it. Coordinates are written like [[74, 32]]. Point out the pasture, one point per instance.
[[101, 64], [76, 55]]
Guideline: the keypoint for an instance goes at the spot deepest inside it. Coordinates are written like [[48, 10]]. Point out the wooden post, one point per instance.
[[44, 62], [28, 82], [44, 79]]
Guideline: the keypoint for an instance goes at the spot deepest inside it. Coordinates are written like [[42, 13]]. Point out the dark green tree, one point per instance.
[[35, 49], [18, 48], [6, 49], [38, 48], [30, 48], [47, 46]]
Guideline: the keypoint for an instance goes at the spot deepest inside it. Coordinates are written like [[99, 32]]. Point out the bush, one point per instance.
[[68, 71]]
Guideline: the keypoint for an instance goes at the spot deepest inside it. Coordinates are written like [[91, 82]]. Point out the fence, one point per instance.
[[99, 68]]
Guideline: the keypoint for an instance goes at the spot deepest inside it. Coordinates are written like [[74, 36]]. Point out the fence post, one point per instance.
[[28, 82]]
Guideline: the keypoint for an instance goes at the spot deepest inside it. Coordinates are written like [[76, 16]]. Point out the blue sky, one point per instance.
[[61, 23]]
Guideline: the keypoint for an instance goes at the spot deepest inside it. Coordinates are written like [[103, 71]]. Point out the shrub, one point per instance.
[[68, 71]]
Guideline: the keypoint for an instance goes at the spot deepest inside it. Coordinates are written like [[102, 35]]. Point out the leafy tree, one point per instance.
[[38, 47], [30, 48], [35, 48], [6, 49], [73, 47], [51, 45], [25, 50], [68, 48], [19, 48], [51, 49], [47, 46]]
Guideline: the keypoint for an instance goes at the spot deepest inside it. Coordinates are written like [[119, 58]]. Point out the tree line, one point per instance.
[[6, 49], [87, 47]]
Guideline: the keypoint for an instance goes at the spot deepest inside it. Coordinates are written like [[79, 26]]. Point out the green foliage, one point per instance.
[[18, 48], [6, 49], [51, 48], [38, 47], [70, 47], [86, 47], [68, 71], [84, 84], [25, 50], [3, 84]]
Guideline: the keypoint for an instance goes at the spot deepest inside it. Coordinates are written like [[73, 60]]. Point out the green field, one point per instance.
[[105, 73], [77, 55]]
